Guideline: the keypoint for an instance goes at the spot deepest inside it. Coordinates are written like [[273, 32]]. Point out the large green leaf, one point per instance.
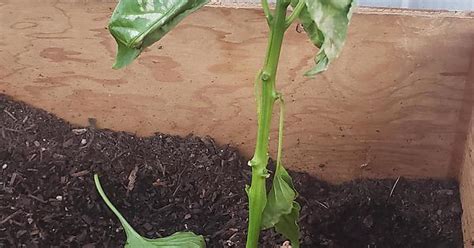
[[134, 240], [137, 24], [326, 23], [281, 210]]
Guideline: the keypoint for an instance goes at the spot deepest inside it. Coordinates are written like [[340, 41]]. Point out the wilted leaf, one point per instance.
[[281, 210], [137, 24], [134, 240], [314, 34], [326, 23], [288, 225]]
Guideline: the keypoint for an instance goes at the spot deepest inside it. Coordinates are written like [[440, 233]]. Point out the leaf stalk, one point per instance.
[[296, 12], [267, 12]]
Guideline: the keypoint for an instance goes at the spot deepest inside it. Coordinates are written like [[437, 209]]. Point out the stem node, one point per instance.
[[265, 76], [265, 173]]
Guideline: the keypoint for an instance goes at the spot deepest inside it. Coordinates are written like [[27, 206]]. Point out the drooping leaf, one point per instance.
[[137, 24], [314, 34], [134, 240], [288, 225], [281, 210], [326, 23]]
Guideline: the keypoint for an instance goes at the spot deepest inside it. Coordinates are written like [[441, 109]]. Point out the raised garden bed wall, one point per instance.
[[394, 104], [467, 185]]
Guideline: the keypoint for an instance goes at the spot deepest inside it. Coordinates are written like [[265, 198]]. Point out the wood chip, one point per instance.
[[131, 179], [11, 216], [10, 114], [37, 198], [393, 187], [159, 183], [12, 180], [79, 131], [80, 173]]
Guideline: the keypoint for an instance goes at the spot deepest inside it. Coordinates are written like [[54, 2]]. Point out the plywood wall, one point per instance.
[[388, 107], [467, 194], [467, 169]]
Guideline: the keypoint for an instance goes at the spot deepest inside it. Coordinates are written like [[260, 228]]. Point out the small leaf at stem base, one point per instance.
[[281, 210]]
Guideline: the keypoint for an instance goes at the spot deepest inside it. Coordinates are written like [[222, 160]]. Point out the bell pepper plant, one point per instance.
[[137, 24]]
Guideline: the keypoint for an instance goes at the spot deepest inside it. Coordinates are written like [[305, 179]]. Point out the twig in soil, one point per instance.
[[92, 128], [179, 181], [80, 173], [326, 206], [11, 130], [32, 157], [164, 208], [394, 186], [322, 204], [229, 240], [30, 127], [131, 179], [162, 168], [176, 190], [217, 233], [90, 142], [12, 180], [10, 216], [79, 131], [3, 133], [158, 183], [37, 198], [10, 114], [41, 154], [118, 156]]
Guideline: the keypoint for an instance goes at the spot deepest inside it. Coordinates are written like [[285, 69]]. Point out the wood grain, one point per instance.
[[467, 169], [467, 193], [388, 107]]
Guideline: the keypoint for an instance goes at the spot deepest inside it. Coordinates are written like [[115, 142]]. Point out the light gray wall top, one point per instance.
[[454, 5], [460, 5]]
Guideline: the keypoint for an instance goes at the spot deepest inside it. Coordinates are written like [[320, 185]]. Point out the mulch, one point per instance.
[[164, 183]]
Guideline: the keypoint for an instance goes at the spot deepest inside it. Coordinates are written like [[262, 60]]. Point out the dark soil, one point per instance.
[[48, 199]]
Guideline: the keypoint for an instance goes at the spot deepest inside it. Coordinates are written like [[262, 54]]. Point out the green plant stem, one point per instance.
[[127, 227], [267, 12], [295, 13], [266, 97]]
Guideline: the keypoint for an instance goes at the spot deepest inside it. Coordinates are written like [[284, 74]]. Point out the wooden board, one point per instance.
[[467, 194], [467, 169], [388, 107]]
